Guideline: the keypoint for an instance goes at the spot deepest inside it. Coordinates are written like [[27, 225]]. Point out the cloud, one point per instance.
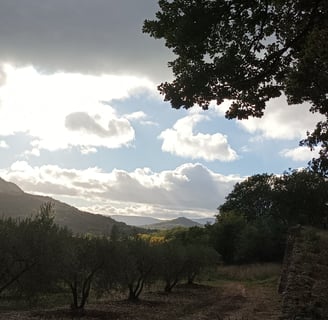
[[3, 76], [3, 144], [190, 189], [64, 110], [94, 37], [245, 149], [34, 152], [282, 121], [300, 153], [136, 115], [87, 150], [84, 123], [182, 141], [141, 117]]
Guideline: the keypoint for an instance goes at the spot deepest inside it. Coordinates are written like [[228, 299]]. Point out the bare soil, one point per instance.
[[226, 301]]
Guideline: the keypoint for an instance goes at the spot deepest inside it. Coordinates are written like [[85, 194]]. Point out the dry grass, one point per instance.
[[251, 272], [231, 301], [323, 234]]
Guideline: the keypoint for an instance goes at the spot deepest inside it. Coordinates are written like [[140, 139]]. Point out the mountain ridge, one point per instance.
[[142, 221], [16, 203], [174, 223], [9, 187], [135, 220]]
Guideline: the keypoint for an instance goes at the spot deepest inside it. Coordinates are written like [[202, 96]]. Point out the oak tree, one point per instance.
[[248, 52]]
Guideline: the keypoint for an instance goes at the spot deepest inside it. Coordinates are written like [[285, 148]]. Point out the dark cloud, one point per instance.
[[98, 36], [117, 127], [3, 77], [81, 121]]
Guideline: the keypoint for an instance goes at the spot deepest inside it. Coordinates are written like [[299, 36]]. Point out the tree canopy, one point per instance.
[[296, 197], [254, 220], [248, 52]]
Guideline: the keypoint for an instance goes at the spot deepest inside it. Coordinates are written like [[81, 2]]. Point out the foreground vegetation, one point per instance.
[[39, 259], [224, 294]]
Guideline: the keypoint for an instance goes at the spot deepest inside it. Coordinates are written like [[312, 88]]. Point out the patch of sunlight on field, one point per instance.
[[264, 272]]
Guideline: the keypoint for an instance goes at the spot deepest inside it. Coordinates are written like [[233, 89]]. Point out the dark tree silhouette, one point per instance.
[[248, 52]]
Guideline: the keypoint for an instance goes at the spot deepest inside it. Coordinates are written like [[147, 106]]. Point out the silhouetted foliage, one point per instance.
[[83, 258], [30, 251], [253, 222], [198, 258], [248, 52], [172, 263], [297, 196], [129, 264], [252, 197]]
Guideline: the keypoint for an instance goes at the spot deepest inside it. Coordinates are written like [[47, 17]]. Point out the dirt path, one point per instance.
[[229, 301]]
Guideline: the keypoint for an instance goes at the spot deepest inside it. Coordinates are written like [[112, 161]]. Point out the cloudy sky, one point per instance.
[[81, 119]]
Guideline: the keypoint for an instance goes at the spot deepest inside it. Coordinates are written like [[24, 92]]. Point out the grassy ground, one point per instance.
[[233, 293]]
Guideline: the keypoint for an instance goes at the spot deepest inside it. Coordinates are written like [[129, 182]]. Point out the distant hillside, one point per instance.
[[15, 203], [209, 220], [9, 187], [141, 221], [170, 224], [135, 220]]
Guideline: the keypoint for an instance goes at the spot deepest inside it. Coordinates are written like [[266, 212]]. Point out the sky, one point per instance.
[[81, 119]]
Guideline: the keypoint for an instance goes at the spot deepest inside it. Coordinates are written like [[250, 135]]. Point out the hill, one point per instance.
[[137, 221], [170, 224], [141, 221], [9, 188], [15, 203], [204, 221]]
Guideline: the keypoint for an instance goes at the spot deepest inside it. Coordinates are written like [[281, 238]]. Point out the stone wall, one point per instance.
[[304, 279]]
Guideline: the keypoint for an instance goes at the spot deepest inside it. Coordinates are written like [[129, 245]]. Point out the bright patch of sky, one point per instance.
[[81, 119]]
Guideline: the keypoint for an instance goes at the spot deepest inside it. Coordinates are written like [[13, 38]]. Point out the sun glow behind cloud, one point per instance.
[[65, 110], [62, 110], [190, 189]]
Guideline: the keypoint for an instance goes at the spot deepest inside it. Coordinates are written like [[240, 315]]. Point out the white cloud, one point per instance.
[[222, 108], [300, 153], [3, 144], [150, 123], [87, 150], [136, 115], [182, 141], [34, 152], [64, 110], [245, 149], [282, 121], [141, 117], [191, 189]]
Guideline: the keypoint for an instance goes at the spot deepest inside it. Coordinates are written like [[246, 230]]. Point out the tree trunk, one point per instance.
[[85, 292], [75, 303], [191, 278], [170, 285], [134, 292], [15, 277]]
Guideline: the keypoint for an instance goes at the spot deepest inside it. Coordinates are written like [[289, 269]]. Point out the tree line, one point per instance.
[[38, 257], [254, 220]]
